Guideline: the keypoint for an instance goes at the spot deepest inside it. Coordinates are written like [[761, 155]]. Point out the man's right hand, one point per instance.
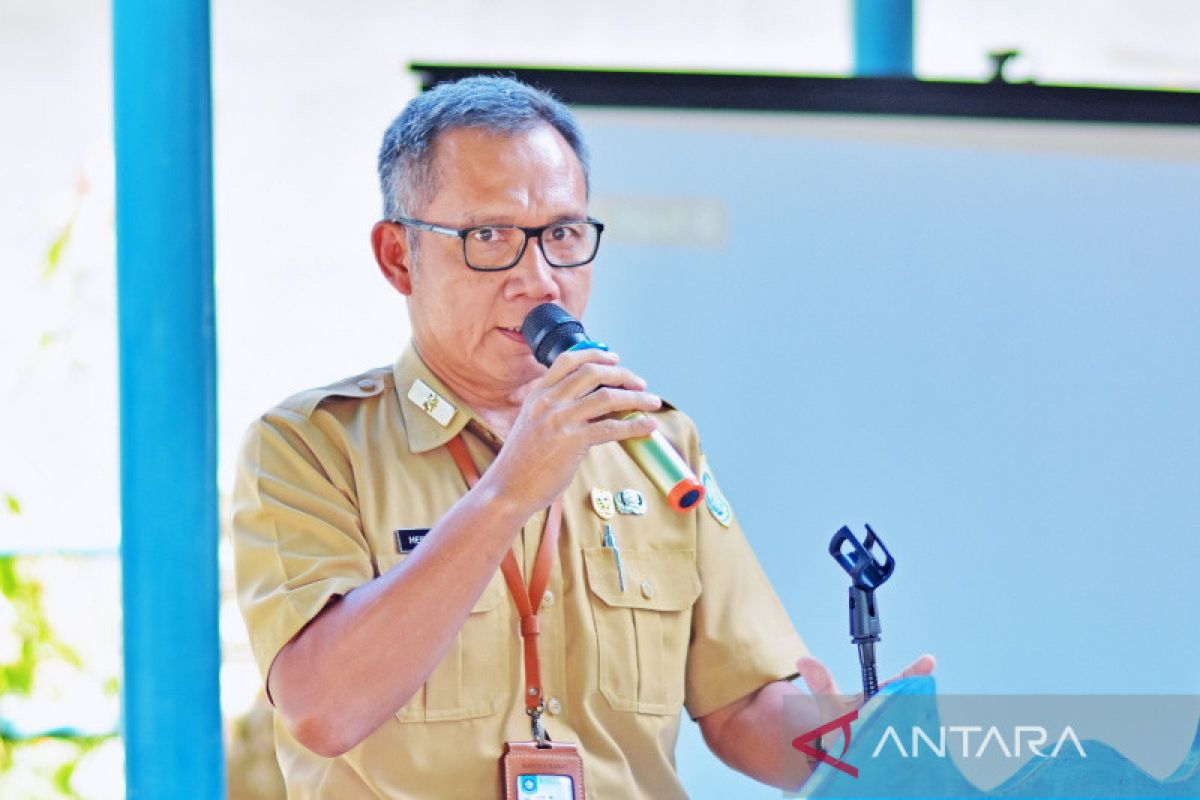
[[566, 412]]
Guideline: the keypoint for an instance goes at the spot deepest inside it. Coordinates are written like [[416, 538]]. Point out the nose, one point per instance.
[[532, 277]]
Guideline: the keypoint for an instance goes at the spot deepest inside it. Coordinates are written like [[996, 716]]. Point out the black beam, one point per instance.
[[828, 95]]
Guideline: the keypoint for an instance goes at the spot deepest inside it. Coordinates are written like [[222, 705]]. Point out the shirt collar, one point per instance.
[[425, 403]]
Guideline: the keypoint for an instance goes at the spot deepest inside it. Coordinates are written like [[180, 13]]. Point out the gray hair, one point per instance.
[[492, 103]]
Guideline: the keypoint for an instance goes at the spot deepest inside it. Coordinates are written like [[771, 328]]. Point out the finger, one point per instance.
[[816, 676], [587, 378], [614, 430], [923, 665], [609, 400], [571, 360]]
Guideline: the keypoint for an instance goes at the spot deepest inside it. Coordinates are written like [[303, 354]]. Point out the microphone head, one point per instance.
[[550, 330]]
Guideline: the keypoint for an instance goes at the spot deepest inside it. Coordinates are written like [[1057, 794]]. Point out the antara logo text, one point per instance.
[[973, 741]]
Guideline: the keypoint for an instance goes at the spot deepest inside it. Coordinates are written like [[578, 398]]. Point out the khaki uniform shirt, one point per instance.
[[326, 480]]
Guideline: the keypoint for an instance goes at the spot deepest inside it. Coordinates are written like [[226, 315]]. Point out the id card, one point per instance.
[[545, 787], [554, 772]]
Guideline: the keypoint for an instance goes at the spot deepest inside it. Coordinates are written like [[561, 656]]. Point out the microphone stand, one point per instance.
[[867, 573]]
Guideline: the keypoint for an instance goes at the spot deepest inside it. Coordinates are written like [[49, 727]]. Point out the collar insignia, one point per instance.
[[432, 403]]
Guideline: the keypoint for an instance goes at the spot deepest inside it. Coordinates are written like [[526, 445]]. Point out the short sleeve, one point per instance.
[[297, 538], [742, 637]]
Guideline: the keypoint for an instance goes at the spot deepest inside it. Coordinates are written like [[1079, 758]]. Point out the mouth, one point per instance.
[[511, 333]]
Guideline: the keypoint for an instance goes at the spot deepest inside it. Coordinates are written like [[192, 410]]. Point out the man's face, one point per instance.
[[466, 323]]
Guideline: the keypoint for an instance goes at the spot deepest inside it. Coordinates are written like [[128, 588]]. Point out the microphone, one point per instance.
[[551, 331]]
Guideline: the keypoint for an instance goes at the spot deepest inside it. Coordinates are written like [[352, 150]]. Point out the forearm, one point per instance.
[[753, 737], [366, 654]]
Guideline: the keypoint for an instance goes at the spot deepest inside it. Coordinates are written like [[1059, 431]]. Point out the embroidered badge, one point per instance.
[[630, 501], [432, 403], [718, 506], [602, 503]]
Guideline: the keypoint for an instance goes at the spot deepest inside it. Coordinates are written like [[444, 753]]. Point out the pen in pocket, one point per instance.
[[610, 541]]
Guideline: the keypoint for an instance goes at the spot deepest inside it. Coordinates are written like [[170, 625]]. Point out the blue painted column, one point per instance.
[[883, 38], [169, 529]]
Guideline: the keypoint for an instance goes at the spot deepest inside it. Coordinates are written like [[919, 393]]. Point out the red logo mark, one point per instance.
[[801, 743]]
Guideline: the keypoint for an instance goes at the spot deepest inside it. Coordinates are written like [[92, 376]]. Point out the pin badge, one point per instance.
[[630, 501], [602, 503], [718, 506], [432, 403]]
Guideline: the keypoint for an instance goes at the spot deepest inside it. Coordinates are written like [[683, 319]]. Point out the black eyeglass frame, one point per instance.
[[530, 233]]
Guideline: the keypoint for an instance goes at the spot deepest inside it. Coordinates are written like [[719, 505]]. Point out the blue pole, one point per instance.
[[883, 38], [166, 338]]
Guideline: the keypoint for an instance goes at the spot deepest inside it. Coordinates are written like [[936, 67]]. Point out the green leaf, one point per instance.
[[6, 754], [62, 775], [54, 254], [13, 505], [9, 582]]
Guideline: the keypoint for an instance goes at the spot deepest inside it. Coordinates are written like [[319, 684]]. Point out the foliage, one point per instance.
[[36, 644], [36, 763], [37, 639]]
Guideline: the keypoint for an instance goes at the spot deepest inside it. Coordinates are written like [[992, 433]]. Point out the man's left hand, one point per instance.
[[830, 700]]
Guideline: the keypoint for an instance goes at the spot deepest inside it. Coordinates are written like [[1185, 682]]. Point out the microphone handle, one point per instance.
[[664, 467]]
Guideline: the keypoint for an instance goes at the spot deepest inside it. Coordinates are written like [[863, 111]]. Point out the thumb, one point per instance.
[[816, 675]]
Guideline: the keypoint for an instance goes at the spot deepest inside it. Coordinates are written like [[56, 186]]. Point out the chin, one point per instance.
[[525, 369]]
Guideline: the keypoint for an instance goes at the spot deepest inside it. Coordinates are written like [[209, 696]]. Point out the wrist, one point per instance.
[[503, 505]]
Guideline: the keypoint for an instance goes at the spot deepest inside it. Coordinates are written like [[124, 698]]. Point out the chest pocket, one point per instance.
[[473, 679], [643, 631]]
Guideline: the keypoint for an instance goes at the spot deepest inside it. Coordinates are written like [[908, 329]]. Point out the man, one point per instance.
[[368, 555]]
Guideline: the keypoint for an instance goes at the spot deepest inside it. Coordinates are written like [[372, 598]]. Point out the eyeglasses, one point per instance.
[[490, 248]]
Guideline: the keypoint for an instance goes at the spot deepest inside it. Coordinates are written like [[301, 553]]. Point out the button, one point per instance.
[[547, 599], [553, 706], [367, 385], [647, 590]]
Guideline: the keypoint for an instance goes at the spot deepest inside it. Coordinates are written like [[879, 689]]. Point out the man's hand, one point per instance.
[[748, 735], [831, 703], [565, 413], [821, 684]]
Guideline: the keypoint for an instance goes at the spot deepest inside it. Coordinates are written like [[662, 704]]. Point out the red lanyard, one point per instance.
[[527, 601]]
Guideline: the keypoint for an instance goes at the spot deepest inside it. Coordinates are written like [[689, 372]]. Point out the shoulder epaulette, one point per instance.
[[367, 384]]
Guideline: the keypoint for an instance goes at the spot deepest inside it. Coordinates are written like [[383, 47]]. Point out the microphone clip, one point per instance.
[[869, 564]]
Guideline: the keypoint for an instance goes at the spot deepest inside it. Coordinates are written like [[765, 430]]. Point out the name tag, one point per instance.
[[407, 539]]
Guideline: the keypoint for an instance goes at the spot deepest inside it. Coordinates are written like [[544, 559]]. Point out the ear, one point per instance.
[[389, 241]]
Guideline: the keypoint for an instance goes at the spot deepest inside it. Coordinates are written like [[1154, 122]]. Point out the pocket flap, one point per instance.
[[659, 580]]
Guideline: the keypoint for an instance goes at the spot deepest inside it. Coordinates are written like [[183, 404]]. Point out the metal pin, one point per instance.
[[610, 541]]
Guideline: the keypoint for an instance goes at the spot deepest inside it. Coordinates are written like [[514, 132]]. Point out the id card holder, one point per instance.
[[552, 772]]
